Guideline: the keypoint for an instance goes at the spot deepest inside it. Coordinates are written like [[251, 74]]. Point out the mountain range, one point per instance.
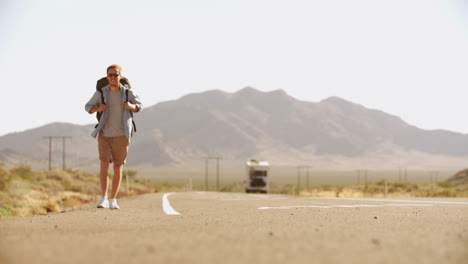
[[333, 133]]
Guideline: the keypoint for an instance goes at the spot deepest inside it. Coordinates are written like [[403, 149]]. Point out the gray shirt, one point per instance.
[[96, 100], [114, 126]]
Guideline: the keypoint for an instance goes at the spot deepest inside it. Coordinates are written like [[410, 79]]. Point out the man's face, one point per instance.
[[113, 76]]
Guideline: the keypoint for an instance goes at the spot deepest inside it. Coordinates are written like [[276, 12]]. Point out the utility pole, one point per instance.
[[364, 174], [298, 178], [217, 173], [434, 176], [64, 151], [403, 174], [206, 174], [217, 158], [50, 149], [299, 168]]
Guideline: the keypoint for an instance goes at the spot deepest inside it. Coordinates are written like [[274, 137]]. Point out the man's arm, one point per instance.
[[94, 104], [134, 104]]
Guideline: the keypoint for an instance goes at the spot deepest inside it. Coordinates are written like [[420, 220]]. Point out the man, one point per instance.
[[113, 131]]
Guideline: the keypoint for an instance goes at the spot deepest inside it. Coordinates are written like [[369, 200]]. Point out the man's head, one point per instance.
[[114, 74]]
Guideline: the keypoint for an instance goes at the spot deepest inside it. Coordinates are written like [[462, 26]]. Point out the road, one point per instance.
[[210, 227]]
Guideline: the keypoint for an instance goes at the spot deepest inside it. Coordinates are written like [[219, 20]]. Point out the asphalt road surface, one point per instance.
[[210, 227]]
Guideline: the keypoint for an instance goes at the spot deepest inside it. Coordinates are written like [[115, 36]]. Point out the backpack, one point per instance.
[[101, 83]]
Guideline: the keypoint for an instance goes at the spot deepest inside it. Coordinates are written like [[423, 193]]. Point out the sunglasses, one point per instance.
[[113, 75]]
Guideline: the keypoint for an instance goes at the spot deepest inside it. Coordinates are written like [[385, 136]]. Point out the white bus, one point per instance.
[[257, 176]]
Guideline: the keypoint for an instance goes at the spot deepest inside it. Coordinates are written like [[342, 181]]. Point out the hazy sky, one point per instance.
[[408, 58]]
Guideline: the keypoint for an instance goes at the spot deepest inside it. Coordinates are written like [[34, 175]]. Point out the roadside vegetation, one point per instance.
[[378, 189], [25, 192], [395, 189]]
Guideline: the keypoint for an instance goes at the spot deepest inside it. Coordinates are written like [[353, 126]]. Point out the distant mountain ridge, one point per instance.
[[269, 125]]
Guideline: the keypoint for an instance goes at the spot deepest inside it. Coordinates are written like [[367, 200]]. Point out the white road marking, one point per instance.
[[342, 206], [393, 200], [167, 206]]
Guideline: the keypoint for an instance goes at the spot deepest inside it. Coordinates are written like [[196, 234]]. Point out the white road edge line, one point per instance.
[[341, 206], [167, 206]]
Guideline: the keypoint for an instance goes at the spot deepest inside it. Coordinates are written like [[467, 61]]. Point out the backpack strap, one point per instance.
[[102, 97], [131, 112], [99, 114]]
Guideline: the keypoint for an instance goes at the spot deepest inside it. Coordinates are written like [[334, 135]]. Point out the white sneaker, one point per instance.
[[113, 204], [104, 203]]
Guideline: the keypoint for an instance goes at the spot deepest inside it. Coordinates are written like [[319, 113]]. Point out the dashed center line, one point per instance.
[[341, 206], [167, 208]]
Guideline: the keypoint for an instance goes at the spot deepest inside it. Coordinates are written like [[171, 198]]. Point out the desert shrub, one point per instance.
[[281, 188], [461, 191], [380, 183], [52, 186], [18, 187], [50, 206], [5, 198], [88, 177], [412, 187], [5, 177], [445, 184], [24, 171], [84, 176], [46, 206], [436, 192], [74, 173], [233, 187], [374, 188], [58, 175], [6, 211], [26, 192], [130, 173], [74, 201], [328, 187], [76, 188], [399, 185], [162, 187], [63, 177]]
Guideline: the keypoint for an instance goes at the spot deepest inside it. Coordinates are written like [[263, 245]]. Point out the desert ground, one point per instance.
[[212, 227]]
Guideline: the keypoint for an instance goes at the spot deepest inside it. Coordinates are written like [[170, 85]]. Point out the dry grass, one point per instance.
[[378, 189], [24, 192], [381, 189]]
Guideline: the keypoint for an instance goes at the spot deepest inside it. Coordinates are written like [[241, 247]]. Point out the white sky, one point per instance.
[[408, 58]]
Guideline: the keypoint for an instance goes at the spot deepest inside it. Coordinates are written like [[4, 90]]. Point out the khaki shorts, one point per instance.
[[113, 149]]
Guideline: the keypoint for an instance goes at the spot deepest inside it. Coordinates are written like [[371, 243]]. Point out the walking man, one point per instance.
[[114, 130]]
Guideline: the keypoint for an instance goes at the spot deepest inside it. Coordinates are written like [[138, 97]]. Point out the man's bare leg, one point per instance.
[[103, 177], [116, 180]]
